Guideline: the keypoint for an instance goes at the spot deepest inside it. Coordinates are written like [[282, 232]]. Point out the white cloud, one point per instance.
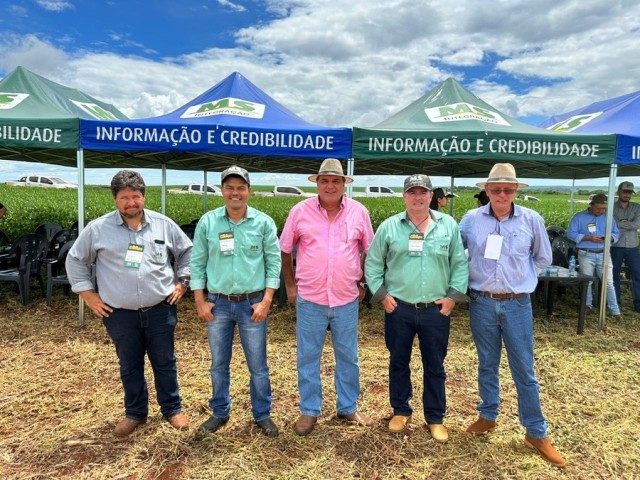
[[232, 6], [55, 5]]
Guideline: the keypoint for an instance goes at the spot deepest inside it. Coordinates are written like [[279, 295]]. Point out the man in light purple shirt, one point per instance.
[[331, 235], [507, 243]]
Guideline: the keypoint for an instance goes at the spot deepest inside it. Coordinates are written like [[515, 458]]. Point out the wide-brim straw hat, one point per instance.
[[331, 166], [502, 173]]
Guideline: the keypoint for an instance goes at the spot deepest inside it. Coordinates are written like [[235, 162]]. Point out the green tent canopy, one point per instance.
[[451, 132], [40, 119]]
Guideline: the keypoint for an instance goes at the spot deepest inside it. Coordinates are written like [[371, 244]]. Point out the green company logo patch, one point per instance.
[[96, 111], [9, 100], [571, 123], [457, 112], [226, 106]]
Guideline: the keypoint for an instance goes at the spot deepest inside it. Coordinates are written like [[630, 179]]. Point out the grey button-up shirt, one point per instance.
[[105, 242], [628, 221]]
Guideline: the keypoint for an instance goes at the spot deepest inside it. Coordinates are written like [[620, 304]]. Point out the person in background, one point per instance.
[[507, 244], [418, 270], [3, 210], [332, 234], [625, 250], [482, 198], [236, 257], [439, 199], [587, 229], [132, 249]]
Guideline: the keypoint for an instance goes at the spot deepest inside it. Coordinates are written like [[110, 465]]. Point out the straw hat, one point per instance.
[[502, 173], [331, 166]]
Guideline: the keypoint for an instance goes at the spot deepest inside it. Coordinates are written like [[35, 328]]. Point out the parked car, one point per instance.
[[284, 191], [41, 181], [528, 198], [377, 191], [198, 189]]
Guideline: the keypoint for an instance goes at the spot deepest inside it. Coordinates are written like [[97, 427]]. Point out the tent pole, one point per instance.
[[80, 163], [350, 163], [607, 248], [163, 195], [452, 198], [573, 189], [205, 196]]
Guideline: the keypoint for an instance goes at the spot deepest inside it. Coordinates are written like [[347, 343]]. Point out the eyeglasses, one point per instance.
[[506, 191], [627, 191]]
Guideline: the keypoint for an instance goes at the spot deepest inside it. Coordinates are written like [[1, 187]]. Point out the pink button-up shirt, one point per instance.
[[328, 264]]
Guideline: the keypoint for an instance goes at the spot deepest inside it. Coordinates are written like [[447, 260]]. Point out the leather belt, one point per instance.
[[591, 250], [240, 296], [416, 305], [503, 296]]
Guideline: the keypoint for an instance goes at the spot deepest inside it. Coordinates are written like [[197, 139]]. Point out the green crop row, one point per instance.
[[29, 207]]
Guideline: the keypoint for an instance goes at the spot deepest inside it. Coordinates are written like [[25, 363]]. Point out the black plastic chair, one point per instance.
[[554, 231], [189, 229], [56, 271], [58, 240], [6, 259], [562, 249], [48, 230], [30, 251]]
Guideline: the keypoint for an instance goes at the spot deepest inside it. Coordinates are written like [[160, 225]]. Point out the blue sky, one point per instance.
[[331, 63]]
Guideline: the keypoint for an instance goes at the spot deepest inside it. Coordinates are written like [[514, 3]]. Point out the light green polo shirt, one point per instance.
[[440, 270], [252, 265]]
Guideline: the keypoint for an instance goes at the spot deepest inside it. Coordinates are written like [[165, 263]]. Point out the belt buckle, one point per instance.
[[235, 298], [145, 309]]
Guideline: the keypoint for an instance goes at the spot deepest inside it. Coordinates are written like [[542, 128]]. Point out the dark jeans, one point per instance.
[[134, 333], [630, 256], [432, 328]]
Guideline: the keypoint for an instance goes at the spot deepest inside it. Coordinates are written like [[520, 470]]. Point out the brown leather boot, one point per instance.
[[126, 426], [179, 421], [481, 426], [546, 450], [304, 425]]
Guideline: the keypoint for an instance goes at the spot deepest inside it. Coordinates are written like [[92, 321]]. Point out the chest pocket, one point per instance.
[[252, 245]]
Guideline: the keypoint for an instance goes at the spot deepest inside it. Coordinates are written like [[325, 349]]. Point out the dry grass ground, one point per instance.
[[60, 396]]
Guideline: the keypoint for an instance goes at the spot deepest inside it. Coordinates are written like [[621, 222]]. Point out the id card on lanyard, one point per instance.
[[493, 247], [133, 258], [227, 243], [416, 244]]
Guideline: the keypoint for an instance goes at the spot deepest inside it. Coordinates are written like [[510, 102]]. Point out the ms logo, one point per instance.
[[457, 112], [96, 111], [10, 100], [576, 121]]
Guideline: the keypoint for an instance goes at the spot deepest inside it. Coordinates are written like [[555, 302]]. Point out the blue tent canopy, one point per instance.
[[233, 122], [619, 115]]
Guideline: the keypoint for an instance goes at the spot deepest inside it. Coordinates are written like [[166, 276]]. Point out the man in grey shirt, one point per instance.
[[625, 250], [138, 292]]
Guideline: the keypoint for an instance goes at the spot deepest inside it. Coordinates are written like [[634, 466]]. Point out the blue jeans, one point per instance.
[[591, 262], [632, 258], [509, 321], [311, 330], [432, 328], [151, 332], [253, 336]]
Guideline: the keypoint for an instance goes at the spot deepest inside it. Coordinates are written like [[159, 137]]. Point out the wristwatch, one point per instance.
[[362, 285], [184, 281]]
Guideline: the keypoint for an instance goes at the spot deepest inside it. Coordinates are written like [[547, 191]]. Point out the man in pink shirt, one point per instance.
[[332, 234]]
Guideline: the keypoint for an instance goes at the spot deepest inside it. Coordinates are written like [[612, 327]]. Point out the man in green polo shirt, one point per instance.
[[236, 257], [417, 270]]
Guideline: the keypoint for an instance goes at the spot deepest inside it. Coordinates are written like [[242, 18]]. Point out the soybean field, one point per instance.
[[30, 207]]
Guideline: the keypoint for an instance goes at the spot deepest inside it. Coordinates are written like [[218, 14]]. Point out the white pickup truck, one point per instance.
[[377, 191], [198, 189], [41, 181], [284, 191]]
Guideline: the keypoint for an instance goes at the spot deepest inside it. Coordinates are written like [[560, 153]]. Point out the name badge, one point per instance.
[[416, 244], [592, 228], [227, 243], [133, 258], [494, 246]]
